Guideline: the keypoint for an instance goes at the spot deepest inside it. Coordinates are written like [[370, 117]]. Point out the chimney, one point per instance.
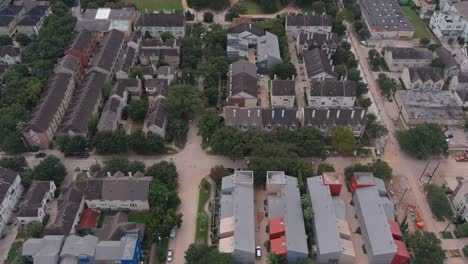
[[333, 68], [250, 26], [272, 113], [274, 77], [352, 114], [109, 174], [293, 77], [338, 113], [258, 113], [234, 112], [313, 113], [248, 113], [130, 174], [362, 114], [328, 113], [282, 113]]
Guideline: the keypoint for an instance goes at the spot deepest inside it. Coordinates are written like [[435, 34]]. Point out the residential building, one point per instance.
[[459, 82], [385, 19], [71, 65], [245, 36], [378, 241], [107, 19], [308, 23], [287, 233], [126, 62], [267, 119], [461, 96], [418, 107], [82, 46], [451, 66], [242, 80], [5, 3], [106, 58], [460, 199], [117, 226], [126, 250], [156, 23], [70, 205], [450, 21], [157, 88], [169, 56], [280, 118], [422, 78], [89, 220], [118, 192], [156, 118], [399, 58], [44, 250], [283, 93], [331, 230], [318, 65], [309, 41], [237, 217], [112, 111], [47, 116], [327, 118], [464, 62], [78, 249], [426, 8], [10, 191], [331, 93], [35, 204], [33, 20], [166, 74], [84, 104], [9, 17], [132, 86], [148, 71], [10, 55]]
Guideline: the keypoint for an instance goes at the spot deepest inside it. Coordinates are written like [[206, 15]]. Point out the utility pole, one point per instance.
[[404, 193], [432, 175], [422, 174]]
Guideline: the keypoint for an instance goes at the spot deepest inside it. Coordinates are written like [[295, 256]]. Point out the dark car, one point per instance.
[[40, 155]]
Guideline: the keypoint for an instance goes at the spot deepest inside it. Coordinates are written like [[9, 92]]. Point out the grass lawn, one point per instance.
[[138, 218], [152, 5], [15, 250], [205, 190], [161, 251], [137, 125], [447, 235], [254, 8], [81, 177], [421, 30]]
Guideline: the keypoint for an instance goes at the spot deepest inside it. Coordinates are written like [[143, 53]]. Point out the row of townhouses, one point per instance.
[[23, 19]]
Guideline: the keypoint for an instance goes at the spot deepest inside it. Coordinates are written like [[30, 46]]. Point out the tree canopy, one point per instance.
[[209, 4], [426, 247], [137, 109], [71, 144], [423, 141], [203, 254], [343, 140], [209, 123], [123, 165], [283, 71], [50, 169], [5, 40]]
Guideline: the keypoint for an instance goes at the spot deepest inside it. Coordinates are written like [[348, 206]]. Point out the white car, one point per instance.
[[169, 255], [173, 232], [258, 252]]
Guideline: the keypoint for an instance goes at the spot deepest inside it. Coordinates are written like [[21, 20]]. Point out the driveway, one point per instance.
[[301, 80]]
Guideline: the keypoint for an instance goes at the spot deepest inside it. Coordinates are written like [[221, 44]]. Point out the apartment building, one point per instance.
[[108, 53], [318, 65], [106, 19], [451, 66], [460, 199], [327, 118], [35, 204], [450, 21], [10, 55], [242, 81], [33, 20], [283, 93], [82, 46], [331, 93], [10, 192], [9, 17], [267, 119], [156, 23], [309, 41], [308, 23], [112, 111], [422, 78], [399, 58]]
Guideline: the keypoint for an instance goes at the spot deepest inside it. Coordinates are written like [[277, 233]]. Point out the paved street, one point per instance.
[[301, 78]]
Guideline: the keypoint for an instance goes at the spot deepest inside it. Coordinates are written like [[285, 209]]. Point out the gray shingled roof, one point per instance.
[[385, 14], [333, 88], [108, 51], [352, 116], [249, 27], [160, 20], [243, 66], [425, 74], [410, 53], [7, 178], [316, 62], [268, 46], [283, 87], [463, 94], [300, 20], [75, 246], [125, 188], [318, 39], [9, 50], [33, 199], [157, 114], [446, 57], [43, 250], [280, 117], [244, 83]]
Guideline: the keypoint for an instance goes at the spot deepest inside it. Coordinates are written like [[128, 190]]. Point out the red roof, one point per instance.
[[277, 226], [279, 246], [395, 229], [89, 219], [402, 251]]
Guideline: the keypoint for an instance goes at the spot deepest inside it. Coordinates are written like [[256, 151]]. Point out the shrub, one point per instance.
[[438, 202]]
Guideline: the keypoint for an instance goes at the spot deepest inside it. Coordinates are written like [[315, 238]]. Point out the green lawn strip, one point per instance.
[[138, 218], [152, 5], [447, 235], [421, 30], [15, 250], [161, 251], [202, 235], [254, 8]]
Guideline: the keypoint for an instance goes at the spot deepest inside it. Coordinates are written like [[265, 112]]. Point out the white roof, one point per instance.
[[103, 13]]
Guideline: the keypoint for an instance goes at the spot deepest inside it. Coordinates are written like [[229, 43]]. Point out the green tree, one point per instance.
[[111, 142], [381, 169], [374, 128], [426, 247], [161, 222], [183, 102], [463, 230], [32, 229], [135, 72], [136, 166], [50, 169], [27, 178], [343, 140], [208, 17], [283, 71], [137, 109], [308, 213], [155, 143], [235, 11], [361, 88], [424, 41], [163, 195], [166, 36], [386, 84], [16, 163], [365, 102], [439, 202], [5, 40], [354, 74], [137, 142], [208, 124], [202, 221], [340, 70], [116, 164], [423, 140], [202, 4], [106, 89], [23, 39], [202, 254], [92, 126], [305, 201], [165, 172], [325, 167], [71, 144], [272, 258], [349, 171], [438, 63]]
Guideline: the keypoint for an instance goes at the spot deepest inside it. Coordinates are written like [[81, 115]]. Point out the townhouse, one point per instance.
[[33, 20], [237, 217], [106, 19], [242, 81], [112, 111], [35, 204], [166, 74], [308, 41], [460, 198], [47, 116], [331, 93], [10, 192], [9, 17], [108, 53], [399, 58], [327, 118], [283, 93], [285, 220], [422, 78], [156, 118], [156, 23], [154, 51], [83, 46], [256, 118], [318, 65], [127, 60], [70, 65], [426, 8], [308, 23], [10, 55], [451, 66]]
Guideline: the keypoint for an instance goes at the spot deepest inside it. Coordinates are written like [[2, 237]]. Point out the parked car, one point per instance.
[[40, 155], [15, 210], [86, 170], [173, 232], [169, 255], [258, 252]]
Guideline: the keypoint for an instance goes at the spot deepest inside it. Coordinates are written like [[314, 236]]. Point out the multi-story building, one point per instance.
[[34, 206], [331, 93], [71, 65], [331, 230], [242, 81], [4, 3], [237, 217], [78, 249], [451, 66], [268, 52], [112, 111], [464, 63], [460, 199], [308, 23], [108, 53], [156, 118], [106, 19], [327, 118], [461, 96], [447, 25], [83, 46], [48, 114], [385, 19], [127, 60], [33, 20], [318, 65], [167, 74], [44, 250], [288, 238], [153, 51], [10, 55], [426, 7], [325, 41], [459, 82], [255, 118], [9, 17], [399, 58], [156, 23], [283, 93], [422, 78], [10, 192]]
